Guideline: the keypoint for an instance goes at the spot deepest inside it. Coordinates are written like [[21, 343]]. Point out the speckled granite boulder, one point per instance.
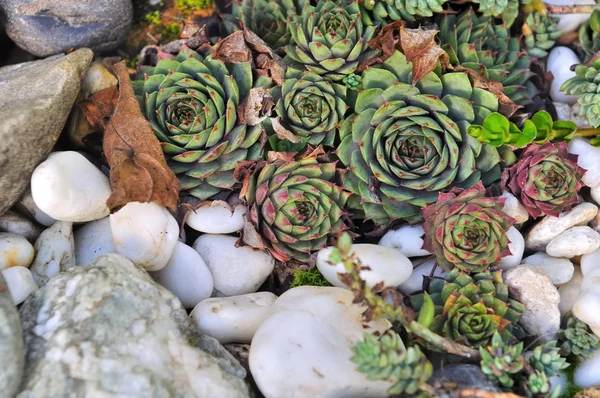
[[106, 329], [48, 27], [11, 344]]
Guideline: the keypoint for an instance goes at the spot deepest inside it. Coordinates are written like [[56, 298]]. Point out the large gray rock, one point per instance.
[[48, 27], [35, 101], [11, 344], [106, 329]]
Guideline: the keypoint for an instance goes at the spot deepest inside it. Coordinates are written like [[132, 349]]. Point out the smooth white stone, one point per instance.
[[144, 233], [570, 22], [55, 252], [587, 374], [569, 292], [558, 381], [303, 348], [588, 157], [27, 204], [20, 283], [536, 291], [68, 187], [590, 261], [596, 331], [559, 64], [18, 224], [15, 251], [415, 282], [563, 111], [514, 208], [516, 245], [595, 193], [235, 270], [217, 217], [587, 307], [591, 281], [550, 227], [186, 276], [233, 319], [386, 265], [574, 242], [408, 240], [92, 240], [559, 270]]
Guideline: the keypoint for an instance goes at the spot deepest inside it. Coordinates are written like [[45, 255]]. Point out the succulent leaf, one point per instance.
[[500, 361], [585, 86], [577, 339], [547, 359], [540, 33]]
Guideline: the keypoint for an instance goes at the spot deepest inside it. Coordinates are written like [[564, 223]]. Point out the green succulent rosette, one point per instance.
[[577, 339], [540, 33], [586, 86], [589, 35], [508, 10], [330, 39], [192, 103], [481, 44], [404, 144], [381, 12], [470, 309], [310, 107], [501, 362], [294, 206]]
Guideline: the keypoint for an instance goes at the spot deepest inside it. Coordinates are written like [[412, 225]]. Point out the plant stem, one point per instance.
[[587, 132], [571, 9]]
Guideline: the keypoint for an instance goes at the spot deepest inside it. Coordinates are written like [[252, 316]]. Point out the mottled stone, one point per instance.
[[32, 95], [465, 376], [11, 344], [54, 252], [17, 224], [109, 330]]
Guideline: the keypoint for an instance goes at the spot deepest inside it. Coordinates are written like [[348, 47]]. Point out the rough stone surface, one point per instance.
[[108, 330], [535, 290], [11, 344], [593, 392], [55, 252], [465, 376], [47, 27], [573, 242], [34, 94], [550, 227], [559, 270]]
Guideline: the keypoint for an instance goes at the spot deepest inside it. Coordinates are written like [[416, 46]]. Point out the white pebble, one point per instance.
[[27, 204], [303, 348], [587, 306], [549, 227], [408, 240], [570, 22], [20, 283], [92, 240], [15, 251], [574, 242], [559, 64], [186, 276], [514, 208], [217, 217], [68, 187], [17, 224], [386, 265], [590, 261], [415, 282], [516, 245], [233, 319], [55, 252], [559, 270], [587, 374], [235, 270], [144, 233], [569, 292], [588, 157]]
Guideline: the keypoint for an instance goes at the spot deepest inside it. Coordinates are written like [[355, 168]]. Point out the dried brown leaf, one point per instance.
[[138, 169], [386, 42], [420, 48], [256, 108], [283, 133], [99, 107]]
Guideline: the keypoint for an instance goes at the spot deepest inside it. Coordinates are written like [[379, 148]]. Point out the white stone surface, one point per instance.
[[574, 242], [68, 187], [217, 217], [18, 224], [93, 240], [144, 233], [516, 245], [55, 252], [587, 374], [536, 291], [27, 204], [514, 208], [233, 319], [588, 157], [570, 22], [590, 262], [386, 265], [587, 306], [186, 276], [415, 282], [303, 348], [407, 239], [235, 270], [559, 270], [549, 227], [569, 292], [559, 64], [20, 283], [15, 250]]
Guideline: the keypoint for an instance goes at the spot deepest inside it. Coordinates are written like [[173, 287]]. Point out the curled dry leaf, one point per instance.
[[257, 106], [138, 169], [283, 133], [99, 107]]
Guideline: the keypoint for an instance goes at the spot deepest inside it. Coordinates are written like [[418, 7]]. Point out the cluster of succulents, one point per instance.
[[366, 127]]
